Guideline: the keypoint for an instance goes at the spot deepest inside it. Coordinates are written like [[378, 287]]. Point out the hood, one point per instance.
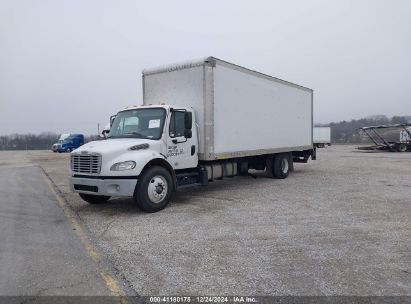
[[113, 145], [115, 150]]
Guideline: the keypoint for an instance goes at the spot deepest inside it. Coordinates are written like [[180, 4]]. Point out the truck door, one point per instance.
[[182, 148]]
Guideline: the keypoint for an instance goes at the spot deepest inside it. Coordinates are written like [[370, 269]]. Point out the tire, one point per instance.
[[94, 199], [402, 148], [281, 166], [269, 166], [153, 190]]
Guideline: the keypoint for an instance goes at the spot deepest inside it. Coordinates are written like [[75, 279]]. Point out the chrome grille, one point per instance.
[[86, 163]]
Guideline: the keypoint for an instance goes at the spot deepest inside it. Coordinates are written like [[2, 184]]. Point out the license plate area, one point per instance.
[[86, 188]]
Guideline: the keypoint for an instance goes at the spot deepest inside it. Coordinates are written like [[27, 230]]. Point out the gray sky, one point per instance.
[[67, 65]]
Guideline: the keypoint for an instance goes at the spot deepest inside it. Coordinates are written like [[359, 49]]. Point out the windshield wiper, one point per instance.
[[135, 133]]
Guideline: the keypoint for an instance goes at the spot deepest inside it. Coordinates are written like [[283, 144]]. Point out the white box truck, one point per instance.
[[200, 121], [322, 137]]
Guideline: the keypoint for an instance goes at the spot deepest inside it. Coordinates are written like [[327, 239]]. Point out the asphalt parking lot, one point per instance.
[[337, 226]]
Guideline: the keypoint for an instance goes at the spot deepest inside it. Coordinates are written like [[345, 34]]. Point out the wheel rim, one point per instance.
[[157, 189], [284, 165], [403, 148]]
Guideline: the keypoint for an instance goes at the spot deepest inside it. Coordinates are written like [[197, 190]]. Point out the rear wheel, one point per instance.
[[94, 199], [269, 166], [279, 165], [153, 190], [402, 147]]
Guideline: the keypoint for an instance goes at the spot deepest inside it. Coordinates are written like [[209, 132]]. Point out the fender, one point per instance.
[[141, 157], [163, 163], [144, 159]]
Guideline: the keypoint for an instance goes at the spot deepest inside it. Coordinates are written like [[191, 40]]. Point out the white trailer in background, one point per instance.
[[322, 137], [200, 121]]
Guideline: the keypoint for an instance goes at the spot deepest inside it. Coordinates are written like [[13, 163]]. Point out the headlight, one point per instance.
[[127, 165]]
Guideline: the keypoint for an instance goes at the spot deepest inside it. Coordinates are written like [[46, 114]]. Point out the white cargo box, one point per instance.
[[322, 135], [239, 112]]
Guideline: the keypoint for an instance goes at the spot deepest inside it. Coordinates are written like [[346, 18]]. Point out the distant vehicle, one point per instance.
[[382, 143], [405, 135], [70, 143], [322, 137], [220, 120], [59, 142]]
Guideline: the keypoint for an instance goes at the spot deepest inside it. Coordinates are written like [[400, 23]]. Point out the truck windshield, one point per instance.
[[140, 123]]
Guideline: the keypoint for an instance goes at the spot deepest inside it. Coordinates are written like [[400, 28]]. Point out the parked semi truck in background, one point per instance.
[[59, 141], [322, 137], [200, 121], [68, 142]]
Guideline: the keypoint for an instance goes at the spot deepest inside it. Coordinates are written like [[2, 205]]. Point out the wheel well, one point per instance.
[[162, 163]]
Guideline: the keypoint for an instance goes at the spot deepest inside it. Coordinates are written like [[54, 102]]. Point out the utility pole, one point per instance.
[[98, 129]]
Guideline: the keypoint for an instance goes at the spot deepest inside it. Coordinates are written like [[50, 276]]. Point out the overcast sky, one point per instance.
[[67, 65]]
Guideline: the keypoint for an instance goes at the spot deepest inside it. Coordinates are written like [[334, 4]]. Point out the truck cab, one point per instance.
[[59, 142], [70, 143], [145, 148]]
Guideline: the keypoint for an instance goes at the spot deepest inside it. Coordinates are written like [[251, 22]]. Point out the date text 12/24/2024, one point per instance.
[[203, 299]]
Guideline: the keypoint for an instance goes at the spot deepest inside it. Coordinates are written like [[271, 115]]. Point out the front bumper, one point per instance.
[[100, 186]]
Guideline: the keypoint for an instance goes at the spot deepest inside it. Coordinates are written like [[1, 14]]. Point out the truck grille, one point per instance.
[[86, 163]]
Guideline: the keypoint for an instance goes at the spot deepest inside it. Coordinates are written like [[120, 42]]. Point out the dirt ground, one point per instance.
[[339, 225]]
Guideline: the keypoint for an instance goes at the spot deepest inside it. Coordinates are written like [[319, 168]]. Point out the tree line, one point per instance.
[[341, 132], [348, 131], [42, 141]]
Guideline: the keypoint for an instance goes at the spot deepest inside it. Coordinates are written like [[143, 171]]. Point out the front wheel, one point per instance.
[[153, 190], [94, 199]]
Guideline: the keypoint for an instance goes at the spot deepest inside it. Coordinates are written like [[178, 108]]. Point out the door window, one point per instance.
[[177, 124]]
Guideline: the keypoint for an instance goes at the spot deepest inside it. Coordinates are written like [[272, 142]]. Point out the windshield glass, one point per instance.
[[140, 123]]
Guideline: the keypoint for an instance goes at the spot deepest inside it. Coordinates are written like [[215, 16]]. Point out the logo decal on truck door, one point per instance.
[[174, 151]]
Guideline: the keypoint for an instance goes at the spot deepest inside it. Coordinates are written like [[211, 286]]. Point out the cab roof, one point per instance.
[[162, 105]]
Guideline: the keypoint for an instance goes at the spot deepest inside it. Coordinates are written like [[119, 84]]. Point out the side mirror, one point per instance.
[[104, 133], [112, 120], [188, 133], [188, 121]]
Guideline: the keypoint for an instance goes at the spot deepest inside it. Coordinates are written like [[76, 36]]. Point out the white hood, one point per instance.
[[116, 150], [113, 145]]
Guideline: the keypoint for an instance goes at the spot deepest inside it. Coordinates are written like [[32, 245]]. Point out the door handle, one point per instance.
[[175, 141]]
